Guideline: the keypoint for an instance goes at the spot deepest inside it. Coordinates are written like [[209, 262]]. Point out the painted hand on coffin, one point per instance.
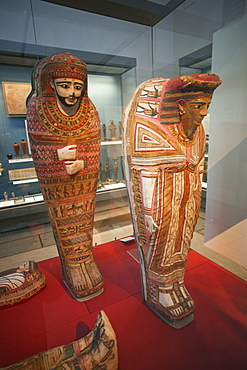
[[74, 167], [68, 152], [68, 155], [150, 224]]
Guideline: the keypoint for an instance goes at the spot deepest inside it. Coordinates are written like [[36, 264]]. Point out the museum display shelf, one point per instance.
[[20, 160], [31, 199], [17, 201], [28, 181], [113, 151], [111, 142]]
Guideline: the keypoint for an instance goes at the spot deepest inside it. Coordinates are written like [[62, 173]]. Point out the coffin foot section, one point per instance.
[[173, 303], [86, 297]]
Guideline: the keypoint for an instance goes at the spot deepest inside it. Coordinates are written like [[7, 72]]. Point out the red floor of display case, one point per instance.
[[216, 339]]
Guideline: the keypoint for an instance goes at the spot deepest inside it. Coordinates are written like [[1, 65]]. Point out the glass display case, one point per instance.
[[123, 43], [122, 52]]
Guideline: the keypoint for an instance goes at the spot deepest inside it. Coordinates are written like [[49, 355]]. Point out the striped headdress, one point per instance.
[[186, 88], [60, 65]]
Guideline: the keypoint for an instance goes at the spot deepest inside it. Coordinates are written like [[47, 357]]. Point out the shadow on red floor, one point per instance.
[[216, 339]]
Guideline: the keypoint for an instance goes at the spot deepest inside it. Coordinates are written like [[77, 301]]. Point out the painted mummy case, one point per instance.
[[69, 196], [20, 283], [163, 170]]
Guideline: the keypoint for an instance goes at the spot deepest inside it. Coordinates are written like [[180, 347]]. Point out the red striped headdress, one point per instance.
[[187, 88]]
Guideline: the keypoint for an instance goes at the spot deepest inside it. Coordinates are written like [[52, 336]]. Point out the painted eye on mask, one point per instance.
[[197, 106], [78, 87]]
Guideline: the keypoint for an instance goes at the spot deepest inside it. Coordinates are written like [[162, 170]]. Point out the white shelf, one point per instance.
[[114, 142], [21, 160], [39, 198], [27, 200], [28, 181], [7, 203], [108, 187]]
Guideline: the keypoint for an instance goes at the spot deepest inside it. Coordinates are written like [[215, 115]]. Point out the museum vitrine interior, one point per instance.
[[123, 44], [113, 76], [19, 180]]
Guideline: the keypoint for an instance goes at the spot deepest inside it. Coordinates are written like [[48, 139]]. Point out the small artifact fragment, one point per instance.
[[113, 128], [6, 196], [104, 132], [23, 144], [115, 167], [120, 128], [16, 150]]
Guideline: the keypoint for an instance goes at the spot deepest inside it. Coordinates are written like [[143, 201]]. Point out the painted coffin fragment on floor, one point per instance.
[[64, 132], [19, 284], [97, 350], [164, 146]]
